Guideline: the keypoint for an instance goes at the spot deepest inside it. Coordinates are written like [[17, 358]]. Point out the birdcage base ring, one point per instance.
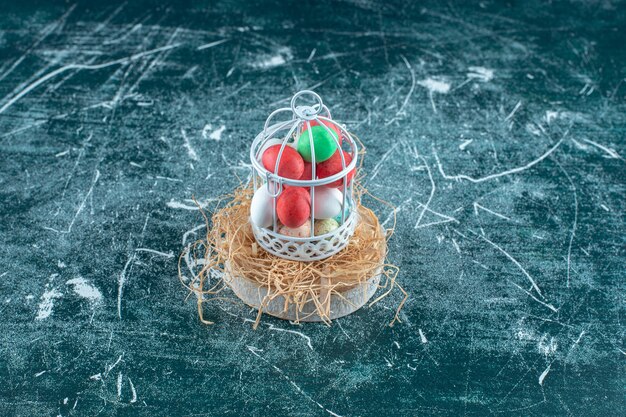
[[340, 304], [309, 249]]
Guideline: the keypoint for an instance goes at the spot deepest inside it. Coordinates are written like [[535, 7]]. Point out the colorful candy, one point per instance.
[[325, 226], [293, 208], [302, 231], [261, 207], [346, 213], [330, 125], [333, 166], [306, 175], [268, 144], [303, 192], [327, 202], [323, 143], [291, 163], [294, 204]]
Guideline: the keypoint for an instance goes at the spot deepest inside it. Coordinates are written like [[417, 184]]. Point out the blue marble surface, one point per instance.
[[497, 129]]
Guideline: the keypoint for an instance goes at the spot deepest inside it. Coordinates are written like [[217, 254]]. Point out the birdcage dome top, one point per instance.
[[305, 112]]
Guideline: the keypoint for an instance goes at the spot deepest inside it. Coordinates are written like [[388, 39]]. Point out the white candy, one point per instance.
[[261, 207], [327, 202]]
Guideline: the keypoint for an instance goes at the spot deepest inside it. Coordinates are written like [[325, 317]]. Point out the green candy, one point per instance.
[[325, 226], [337, 218], [325, 145], [347, 214]]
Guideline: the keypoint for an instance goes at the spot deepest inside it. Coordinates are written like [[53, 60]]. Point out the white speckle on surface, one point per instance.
[[65, 400], [480, 73], [456, 246], [119, 385], [30, 297], [110, 367], [273, 60], [544, 374], [189, 204], [485, 209], [278, 329], [217, 135], [515, 109], [61, 264], [523, 334], [46, 304], [120, 284], [187, 145], [435, 86], [38, 374], [547, 347], [211, 44], [83, 288], [169, 254], [269, 62], [463, 145], [133, 391], [610, 152], [96, 377], [209, 133], [422, 336], [532, 129], [206, 129], [551, 115]]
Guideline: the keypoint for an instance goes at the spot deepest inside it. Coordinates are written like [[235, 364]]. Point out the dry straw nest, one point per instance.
[[230, 250]]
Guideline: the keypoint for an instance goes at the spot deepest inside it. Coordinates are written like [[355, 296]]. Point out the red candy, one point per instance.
[[291, 163], [306, 175], [333, 166], [304, 192], [293, 208]]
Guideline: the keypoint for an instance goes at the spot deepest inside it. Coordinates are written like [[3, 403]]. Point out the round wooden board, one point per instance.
[[350, 300]]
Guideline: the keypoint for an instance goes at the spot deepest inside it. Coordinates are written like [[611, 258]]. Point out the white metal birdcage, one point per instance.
[[312, 247]]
